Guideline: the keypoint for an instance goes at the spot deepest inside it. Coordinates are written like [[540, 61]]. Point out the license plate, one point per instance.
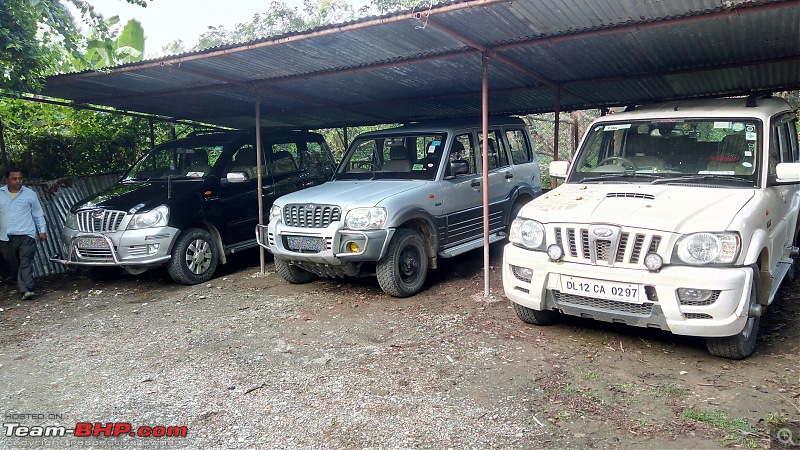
[[607, 290], [91, 242], [311, 243]]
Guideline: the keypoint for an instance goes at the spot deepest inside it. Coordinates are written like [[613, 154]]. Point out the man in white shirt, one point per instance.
[[22, 224]]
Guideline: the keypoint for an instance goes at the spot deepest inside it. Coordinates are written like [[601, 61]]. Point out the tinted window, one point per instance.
[[518, 143]]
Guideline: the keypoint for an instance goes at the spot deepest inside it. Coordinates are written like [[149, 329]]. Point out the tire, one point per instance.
[[293, 274], [741, 345], [103, 273], [402, 271], [194, 257], [535, 317]]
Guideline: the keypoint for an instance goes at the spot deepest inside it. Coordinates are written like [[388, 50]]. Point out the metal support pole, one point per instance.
[[152, 133], [485, 166], [576, 132], [259, 183], [555, 130]]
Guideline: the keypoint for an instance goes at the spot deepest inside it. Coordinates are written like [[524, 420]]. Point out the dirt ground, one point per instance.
[[249, 361]]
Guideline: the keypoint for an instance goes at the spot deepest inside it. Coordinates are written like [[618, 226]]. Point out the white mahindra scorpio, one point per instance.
[[681, 216]]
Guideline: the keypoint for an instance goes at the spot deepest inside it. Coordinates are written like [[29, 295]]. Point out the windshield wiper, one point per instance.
[[613, 176], [703, 177]]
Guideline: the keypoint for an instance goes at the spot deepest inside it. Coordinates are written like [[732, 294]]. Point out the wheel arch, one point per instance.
[[215, 235], [758, 256], [421, 221]]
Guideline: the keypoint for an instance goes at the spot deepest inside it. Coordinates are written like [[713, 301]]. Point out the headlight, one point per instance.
[[527, 233], [72, 221], [365, 218], [274, 213], [156, 217], [708, 248]]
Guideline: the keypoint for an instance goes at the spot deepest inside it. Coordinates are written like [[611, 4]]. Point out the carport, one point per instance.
[[465, 58]]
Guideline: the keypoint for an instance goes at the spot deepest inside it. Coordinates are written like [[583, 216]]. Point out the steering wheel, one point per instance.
[[618, 160]]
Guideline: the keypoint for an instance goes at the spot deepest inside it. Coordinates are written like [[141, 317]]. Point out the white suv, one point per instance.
[[681, 216]]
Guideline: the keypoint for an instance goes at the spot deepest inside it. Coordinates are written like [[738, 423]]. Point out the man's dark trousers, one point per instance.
[[19, 252]]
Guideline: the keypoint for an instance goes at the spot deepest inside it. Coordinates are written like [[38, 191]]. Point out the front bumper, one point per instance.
[[148, 247], [332, 244], [724, 315]]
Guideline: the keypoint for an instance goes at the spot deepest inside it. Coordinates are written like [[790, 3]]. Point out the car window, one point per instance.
[[518, 143], [497, 153], [283, 159], [244, 160], [315, 160], [463, 150]]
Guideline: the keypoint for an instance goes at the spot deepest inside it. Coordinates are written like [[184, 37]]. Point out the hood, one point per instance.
[[351, 192], [124, 196], [656, 207]]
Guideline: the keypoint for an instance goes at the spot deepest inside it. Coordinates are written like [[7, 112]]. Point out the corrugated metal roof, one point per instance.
[[421, 64]]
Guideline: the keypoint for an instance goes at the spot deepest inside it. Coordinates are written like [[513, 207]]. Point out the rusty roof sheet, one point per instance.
[[421, 64]]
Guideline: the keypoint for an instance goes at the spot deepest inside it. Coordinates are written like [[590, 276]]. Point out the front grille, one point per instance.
[[630, 249], [99, 220], [311, 216], [643, 309]]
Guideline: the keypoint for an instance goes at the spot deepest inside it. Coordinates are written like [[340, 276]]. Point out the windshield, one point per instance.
[[720, 152], [191, 161], [406, 156]]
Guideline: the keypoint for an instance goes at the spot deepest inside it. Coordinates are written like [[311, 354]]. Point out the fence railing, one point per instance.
[[57, 197]]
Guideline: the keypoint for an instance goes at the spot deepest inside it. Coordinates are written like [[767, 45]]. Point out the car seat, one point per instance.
[[199, 166], [245, 161], [731, 156], [398, 160]]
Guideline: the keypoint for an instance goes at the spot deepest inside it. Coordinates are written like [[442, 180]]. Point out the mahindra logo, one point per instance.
[[602, 232], [98, 213], [310, 207]]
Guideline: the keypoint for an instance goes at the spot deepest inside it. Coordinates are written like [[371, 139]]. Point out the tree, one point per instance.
[[35, 34]]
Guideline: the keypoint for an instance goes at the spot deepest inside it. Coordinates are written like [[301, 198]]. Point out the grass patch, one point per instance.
[[738, 429]]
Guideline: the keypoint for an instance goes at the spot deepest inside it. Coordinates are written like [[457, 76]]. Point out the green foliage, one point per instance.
[[36, 36], [50, 142]]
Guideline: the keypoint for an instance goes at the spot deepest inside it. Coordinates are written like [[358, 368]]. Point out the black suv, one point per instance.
[[190, 202]]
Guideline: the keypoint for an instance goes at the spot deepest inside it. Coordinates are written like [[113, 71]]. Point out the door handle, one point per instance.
[[475, 183], [509, 175]]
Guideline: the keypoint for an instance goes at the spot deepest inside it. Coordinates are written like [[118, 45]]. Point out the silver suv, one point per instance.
[[401, 199]]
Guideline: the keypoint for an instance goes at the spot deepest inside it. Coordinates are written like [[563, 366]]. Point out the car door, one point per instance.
[[462, 194], [237, 207], [783, 199], [501, 178]]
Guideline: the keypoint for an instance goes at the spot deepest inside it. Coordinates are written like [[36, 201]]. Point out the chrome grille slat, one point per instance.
[[99, 221], [311, 216], [632, 246]]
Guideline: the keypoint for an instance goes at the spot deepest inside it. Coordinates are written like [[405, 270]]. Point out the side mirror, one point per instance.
[[559, 169], [236, 177], [457, 167], [788, 173]]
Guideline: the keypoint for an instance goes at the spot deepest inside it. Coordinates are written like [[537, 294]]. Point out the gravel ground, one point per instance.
[[249, 361]]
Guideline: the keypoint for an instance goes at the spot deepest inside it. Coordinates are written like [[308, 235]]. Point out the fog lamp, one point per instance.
[[653, 262], [522, 273], [152, 248], [694, 295], [353, 247], [555, 252]]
